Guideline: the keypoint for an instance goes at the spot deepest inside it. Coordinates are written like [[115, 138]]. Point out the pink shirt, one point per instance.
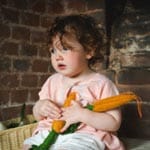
[[95, 87]]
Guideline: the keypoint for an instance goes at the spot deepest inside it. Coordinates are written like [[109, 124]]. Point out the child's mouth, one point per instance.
[[61, 66]]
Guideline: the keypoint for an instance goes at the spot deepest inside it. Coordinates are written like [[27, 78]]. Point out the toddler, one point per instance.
[[75, 43]]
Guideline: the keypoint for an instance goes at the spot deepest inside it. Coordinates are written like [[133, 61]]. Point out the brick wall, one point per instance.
[[24, 62], [130, 58]]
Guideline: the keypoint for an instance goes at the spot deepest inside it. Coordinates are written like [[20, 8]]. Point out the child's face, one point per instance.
[[70, 60]]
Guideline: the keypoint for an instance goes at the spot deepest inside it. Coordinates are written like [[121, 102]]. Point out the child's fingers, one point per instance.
[[50, 110], [54, 114], [54, 107], [65, 127]]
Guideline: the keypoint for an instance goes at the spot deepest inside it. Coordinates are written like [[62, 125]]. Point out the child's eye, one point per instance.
[[65, 49], [52, 51]]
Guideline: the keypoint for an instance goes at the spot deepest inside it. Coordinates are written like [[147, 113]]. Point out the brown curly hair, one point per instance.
[[84, 29]]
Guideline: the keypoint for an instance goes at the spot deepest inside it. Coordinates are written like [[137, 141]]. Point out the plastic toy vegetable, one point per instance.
[[116, 101], [56, 127], [98, 106]]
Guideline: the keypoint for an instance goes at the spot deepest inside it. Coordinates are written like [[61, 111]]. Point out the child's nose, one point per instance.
[[59, 56]]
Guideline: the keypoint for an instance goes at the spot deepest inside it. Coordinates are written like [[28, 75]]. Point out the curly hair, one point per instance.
[[84, 29]]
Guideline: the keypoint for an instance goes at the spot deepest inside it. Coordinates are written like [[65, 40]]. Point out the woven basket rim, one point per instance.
[[13, 138], [7, 131]]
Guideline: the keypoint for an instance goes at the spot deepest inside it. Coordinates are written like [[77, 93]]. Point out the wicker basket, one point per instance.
[[12, 139]]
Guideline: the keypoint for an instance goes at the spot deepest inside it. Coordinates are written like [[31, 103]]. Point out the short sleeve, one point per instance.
[[45, 90], [109, 89]]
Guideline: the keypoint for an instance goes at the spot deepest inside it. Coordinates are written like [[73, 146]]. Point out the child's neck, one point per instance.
[[79, 78]]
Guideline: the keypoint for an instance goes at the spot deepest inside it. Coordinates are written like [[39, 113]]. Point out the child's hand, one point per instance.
[[46, 108], [71, 114]]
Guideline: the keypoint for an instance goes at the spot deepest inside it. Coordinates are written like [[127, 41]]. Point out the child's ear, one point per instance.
[[89, 55]]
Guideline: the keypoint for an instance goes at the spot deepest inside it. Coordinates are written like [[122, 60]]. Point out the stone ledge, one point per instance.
[[136, 144]]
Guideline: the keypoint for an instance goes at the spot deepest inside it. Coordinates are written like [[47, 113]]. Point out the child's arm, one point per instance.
[[108, 121], [46, 108]]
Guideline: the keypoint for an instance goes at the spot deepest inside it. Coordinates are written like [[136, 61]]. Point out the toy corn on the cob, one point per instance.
[[116, 101], [57, 125], [98, 106]]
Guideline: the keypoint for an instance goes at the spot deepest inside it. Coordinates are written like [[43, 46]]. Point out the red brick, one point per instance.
[[46, 21], [29, 80], [29, 109], [51, 69], [15, 112], [5, 112], [19, 96], [9, 81], [4, 31], [43, 51], [38, 37], [34, 95], [10, 15], [1, 114], [75, 5], [38, 6], [40, 66], [28, 50], [4, 97], [17, 4], [43, 78], [5, 64], [30, 19], [3, 2], [134, 76], [20, 33], [9, 48], [55, 7], [21, 64]]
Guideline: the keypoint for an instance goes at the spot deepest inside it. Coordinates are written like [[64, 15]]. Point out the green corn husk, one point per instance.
[[51, 138]]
